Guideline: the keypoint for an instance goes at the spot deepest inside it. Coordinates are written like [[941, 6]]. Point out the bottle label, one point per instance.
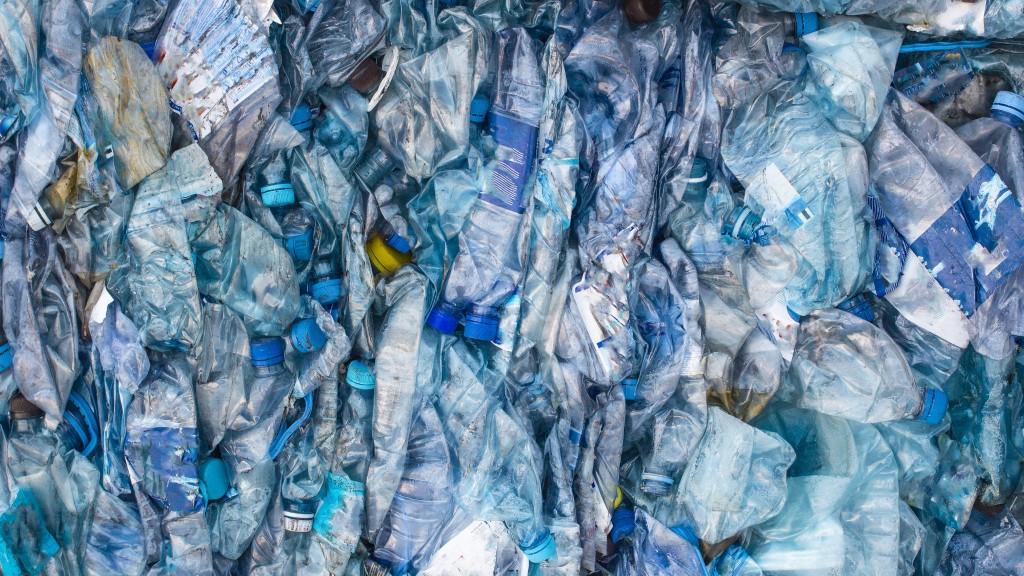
[[780, 204], [974, 246], [935, 79], [517, 148]]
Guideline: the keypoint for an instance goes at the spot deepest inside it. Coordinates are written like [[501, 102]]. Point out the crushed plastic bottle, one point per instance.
[[405, 288]]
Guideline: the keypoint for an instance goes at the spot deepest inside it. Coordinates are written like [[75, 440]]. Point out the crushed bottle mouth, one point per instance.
[[79, 427]]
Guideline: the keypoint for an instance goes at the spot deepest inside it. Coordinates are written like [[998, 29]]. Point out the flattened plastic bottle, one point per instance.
[[340, 520], [398, 343], [495, 455], [240, 265], [246, 448], [424, 500], [40, 318], [611, 72], [841, 512], [845, 366], [998, 140], [669, 403], [985, 407], [158, 288], [484, 274], [162, 437], [958, 218]]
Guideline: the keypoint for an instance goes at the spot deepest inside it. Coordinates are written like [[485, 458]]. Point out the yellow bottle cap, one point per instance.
[[384, 258], [618, 497]]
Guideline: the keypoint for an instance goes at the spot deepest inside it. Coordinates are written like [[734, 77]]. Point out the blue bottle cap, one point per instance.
[[267, 351], [478, 109], [858, 306], [359, 376], [935, 404], [543, 550], [6, 121], [302, 118], [787, 47], [481, 327], [806, 23], [275, 195], [300, 246], [1009, 103], [623, 523], [656, 484], [629, 388], [327, 291], [398, 242], [307, 336], [442, 318], [213, 479], [6, 357]]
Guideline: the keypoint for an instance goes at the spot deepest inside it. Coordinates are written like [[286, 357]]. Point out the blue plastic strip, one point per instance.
[[942, 46], [279, 441]]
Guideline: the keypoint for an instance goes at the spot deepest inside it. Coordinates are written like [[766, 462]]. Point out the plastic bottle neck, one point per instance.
[[1008, 119], [268, 370]]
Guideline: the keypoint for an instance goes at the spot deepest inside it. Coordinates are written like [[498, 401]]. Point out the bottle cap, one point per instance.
[[806, 23], [385, 259], [642, 11], [935, 404], [307, 336], [6, 121], [213, 479], [623, 523], [478, 109], [366, 77], [300, 246], [299, 514], [858, 306], [481, 327], [398, 242], [618, 498], [275, 195], [327, 291], [359, 376], [302, 118], [6, 356], [1010, 104], [741, 223], [543, 550], [267, 351], [629, 388], [20, 408], [656, 484], [443, 318]]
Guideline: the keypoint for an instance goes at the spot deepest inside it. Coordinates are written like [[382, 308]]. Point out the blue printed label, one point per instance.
[[339, 518], [517, 148], [167, 458], [977, 243]]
